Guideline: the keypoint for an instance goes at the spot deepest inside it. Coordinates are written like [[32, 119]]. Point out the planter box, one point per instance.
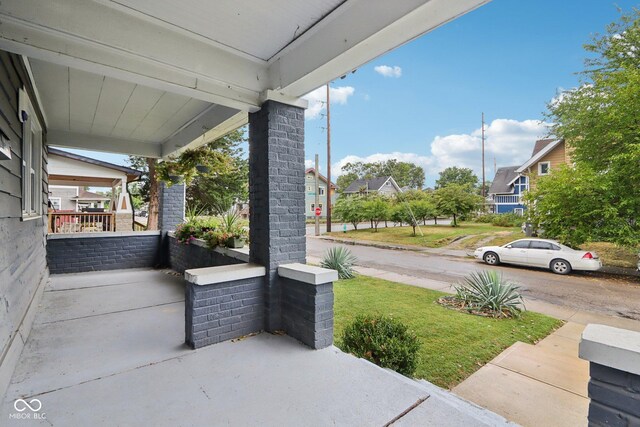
[[235, 243]]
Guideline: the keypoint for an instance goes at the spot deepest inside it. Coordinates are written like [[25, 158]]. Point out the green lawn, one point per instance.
[[454, 344], [435, 236]]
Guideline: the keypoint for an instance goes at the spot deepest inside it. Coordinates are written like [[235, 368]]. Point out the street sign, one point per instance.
[[318, 211]]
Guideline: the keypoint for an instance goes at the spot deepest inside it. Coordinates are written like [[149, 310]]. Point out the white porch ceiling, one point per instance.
[[153, 76]]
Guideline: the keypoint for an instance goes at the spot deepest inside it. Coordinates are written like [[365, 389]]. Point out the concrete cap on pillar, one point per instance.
[[613, 347]]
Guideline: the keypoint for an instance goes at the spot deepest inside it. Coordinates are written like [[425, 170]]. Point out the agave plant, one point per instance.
[[487, 291], [340, 259]]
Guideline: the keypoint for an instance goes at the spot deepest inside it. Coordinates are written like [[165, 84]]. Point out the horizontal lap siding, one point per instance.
[[23, 265]]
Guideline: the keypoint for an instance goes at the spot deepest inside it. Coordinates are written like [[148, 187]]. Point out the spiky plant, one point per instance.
[[487, 291], [340, 259]]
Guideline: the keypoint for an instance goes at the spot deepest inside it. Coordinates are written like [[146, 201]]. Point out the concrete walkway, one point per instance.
[[532, 385], [107, 349]]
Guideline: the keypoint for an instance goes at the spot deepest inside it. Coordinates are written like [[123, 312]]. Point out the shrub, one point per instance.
[[501, 220], [340, 259], [384, 341], [488, 292]]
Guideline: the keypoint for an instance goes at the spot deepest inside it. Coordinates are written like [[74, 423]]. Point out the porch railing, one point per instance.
[[508, 199], [81, 222]]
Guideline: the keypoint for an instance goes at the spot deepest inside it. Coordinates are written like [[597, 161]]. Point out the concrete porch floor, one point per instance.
[[106, 349]]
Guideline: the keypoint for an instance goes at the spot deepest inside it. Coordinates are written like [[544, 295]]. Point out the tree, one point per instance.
[[599, 121], [215, 190], [351, 210], [405, 174], [592, 213], [456, 200], [456, 175], [376, 209]]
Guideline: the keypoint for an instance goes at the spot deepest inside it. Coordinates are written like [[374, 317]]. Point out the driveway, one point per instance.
[[616, 296]]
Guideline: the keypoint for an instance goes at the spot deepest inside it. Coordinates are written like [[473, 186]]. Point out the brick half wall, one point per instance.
[[223, 311], [307, 312], [185, 257], [80, 253]]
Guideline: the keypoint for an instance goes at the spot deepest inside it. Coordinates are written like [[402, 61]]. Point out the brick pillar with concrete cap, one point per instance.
[[276, 196], [614, 367]]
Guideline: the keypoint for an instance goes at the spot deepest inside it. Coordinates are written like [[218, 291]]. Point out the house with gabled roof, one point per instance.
[[511, 182], [384, 185], [310, 193]]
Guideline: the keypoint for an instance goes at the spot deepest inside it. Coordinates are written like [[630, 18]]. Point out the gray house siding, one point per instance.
[[66, 196], [23, 267]]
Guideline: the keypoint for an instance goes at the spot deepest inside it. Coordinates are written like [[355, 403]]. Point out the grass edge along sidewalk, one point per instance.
[[454, 344]]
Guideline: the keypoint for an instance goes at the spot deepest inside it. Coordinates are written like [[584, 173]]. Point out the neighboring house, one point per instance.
[[310, 193], [511, 182], [384, 185], [505, 193], [67, 198]]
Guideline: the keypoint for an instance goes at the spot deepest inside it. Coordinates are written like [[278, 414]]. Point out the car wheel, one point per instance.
[[491, 258], [560, 266]]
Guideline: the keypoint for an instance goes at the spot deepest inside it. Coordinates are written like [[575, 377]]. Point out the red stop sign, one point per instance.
[[318, 211]]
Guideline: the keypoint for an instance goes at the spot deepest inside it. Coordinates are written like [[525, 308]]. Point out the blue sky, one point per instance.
[[506, 59]]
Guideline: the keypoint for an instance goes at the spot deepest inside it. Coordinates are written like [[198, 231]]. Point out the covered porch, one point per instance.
[[107, 348]]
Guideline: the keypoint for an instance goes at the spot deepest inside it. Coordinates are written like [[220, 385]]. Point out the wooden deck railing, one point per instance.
[[81, 222]]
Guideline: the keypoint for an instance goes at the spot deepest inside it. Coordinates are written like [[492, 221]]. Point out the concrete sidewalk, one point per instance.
[[533, 385]]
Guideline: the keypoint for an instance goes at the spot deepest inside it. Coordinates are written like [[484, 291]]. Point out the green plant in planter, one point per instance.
[[188, 231]]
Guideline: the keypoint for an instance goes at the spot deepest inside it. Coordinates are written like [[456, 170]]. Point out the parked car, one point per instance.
[[543, 253]]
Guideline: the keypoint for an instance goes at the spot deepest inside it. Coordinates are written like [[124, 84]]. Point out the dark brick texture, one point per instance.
[[615, 397], [276, 196], [76, 255], [223, 311], [307, 312], [184, 257]]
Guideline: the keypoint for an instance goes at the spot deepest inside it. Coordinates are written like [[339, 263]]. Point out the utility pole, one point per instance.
[[483, 177], [328, 162], [317, 203]]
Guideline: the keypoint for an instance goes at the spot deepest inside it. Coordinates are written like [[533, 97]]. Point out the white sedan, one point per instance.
[[544, 253]]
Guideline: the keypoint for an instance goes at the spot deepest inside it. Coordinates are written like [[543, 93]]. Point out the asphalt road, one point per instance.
[[616, 296]]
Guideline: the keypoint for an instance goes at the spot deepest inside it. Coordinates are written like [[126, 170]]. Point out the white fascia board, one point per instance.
[[539, 155], [64, 139], [100, 39], [514, 179], [172, 149], [355, 33]]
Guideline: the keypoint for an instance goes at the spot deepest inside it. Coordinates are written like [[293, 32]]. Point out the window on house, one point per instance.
[[544, 168], [321, 191], [56, 202], [31, 158]]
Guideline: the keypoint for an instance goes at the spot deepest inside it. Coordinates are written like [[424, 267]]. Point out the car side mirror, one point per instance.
[[509, 246]]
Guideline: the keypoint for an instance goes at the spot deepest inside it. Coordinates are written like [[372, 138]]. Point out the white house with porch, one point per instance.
[[154, 78]]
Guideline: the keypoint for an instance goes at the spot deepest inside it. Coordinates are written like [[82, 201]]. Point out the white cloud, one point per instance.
[[388, 71], [508, 141], [318, 98]]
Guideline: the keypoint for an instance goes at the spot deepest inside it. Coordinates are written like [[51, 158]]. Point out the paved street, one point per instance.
[[617, 296]]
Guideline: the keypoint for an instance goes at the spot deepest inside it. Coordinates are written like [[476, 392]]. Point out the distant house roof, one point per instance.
[[373, 184], [132, 174], [545, 147], [540, 145], [502, 181], [322, 177], [88, 195]]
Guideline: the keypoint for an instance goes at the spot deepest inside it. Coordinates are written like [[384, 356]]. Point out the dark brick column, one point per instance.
[[276, 196], [172, 204]]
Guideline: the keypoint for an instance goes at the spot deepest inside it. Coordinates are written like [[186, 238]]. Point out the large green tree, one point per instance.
[[405, 174], [456, 175], [600, 120], [456, 200]]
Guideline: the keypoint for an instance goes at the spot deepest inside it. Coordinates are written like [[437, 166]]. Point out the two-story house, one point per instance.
[[383, 185], [511, 182], [310, 193]]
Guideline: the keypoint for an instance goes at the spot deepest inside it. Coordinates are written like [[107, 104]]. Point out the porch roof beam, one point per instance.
[[343, 41], [64, 139], [100, 39]]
